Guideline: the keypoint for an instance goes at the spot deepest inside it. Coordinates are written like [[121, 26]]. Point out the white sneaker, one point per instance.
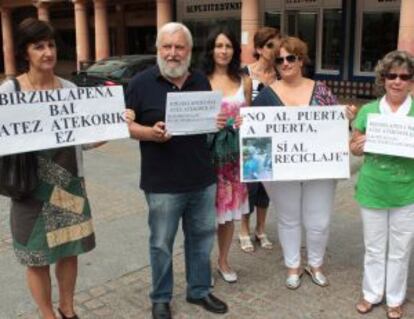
[[229, 276]]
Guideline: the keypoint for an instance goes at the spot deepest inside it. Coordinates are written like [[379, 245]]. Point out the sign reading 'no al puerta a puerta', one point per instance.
[[35, 120], [294, 143]]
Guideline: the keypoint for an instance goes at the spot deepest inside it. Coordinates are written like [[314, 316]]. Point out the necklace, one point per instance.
[[53, 86]]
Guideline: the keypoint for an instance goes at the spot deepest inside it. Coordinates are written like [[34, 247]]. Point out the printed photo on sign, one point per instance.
[[257, 159]]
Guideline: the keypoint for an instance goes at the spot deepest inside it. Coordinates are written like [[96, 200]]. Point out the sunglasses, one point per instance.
[[289, 59], [270, 45], [393, 76]]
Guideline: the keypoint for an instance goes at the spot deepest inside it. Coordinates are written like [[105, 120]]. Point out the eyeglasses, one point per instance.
[[393, 76], [289, 59], [270, 45]]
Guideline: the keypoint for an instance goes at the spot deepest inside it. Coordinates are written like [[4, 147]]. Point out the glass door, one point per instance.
[[303, 24]]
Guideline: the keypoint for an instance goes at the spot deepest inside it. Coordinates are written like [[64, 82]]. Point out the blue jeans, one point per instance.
[[199, 225]]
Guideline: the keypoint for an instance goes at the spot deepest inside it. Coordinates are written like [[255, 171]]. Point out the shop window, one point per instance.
[[141, 40], [331, 40], [379, 36], [272, 19], [304, 26], [66, 44]]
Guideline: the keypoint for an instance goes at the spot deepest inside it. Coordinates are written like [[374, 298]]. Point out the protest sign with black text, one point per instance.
[[294, 143], [390, 135], [35, 120], [190, 113]]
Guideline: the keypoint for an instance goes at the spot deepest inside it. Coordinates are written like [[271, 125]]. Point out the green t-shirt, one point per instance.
[[384, 181]]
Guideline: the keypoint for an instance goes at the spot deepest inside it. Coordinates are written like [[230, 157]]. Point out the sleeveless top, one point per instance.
[[232, 195]]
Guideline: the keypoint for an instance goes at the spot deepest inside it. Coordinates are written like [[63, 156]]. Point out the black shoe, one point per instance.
[[210, 303], [66, 317], [161, 310]]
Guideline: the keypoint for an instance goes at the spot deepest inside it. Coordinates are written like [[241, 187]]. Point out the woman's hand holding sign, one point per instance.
[[357, 143]]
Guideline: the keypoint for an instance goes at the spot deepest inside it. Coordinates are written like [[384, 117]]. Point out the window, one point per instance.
[[304, 26], [331, 40], [272, 19], [379, 36]]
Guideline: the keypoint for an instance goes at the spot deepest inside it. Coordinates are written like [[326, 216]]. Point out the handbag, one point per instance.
[[18, 172]]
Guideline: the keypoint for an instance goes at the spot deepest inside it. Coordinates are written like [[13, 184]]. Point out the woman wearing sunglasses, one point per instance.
[[385, 193], [263, 73], [300, 202], [222, 66]]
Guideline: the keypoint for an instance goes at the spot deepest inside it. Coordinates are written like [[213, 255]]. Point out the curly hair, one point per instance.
[[391, 60], [234, 68], [261, 37], [30, 31]]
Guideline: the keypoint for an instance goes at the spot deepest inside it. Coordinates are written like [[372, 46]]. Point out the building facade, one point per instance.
[[345, 37]]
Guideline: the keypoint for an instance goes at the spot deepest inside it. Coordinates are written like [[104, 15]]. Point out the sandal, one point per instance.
[[395, 312], [318, 278], [293, 281], [364, 307], [246, 244], [263, 240]]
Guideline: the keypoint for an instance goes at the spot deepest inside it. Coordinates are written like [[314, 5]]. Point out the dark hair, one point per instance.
[[233, 70], [30, 31], [261, 37]]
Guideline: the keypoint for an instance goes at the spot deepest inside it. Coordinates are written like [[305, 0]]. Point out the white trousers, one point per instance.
[[388, 236], [307, 202]]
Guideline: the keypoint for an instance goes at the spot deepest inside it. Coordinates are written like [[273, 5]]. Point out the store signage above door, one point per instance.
[[297, 4], [208, 9], [214, 7], [373, 5], [300, 4]]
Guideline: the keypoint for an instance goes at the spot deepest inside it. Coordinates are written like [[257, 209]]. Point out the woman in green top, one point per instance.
[[385, 193]]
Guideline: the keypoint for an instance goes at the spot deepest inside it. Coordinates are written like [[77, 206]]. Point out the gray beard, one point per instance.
[[175, 72]]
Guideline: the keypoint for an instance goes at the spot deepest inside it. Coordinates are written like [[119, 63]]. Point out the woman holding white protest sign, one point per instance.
[[263, 73], [52, 224], [385, 193], [222, 66], [310, 201]]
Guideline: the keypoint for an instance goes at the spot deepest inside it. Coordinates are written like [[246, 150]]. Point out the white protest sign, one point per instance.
[[390, 135], [35, 120], [294, 143], [189, 113]]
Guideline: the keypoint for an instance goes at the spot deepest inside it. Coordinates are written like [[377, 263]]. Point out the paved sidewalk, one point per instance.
[[114, 280]]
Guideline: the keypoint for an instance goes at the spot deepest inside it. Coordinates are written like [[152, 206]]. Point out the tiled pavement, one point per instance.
[[260, 292]]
